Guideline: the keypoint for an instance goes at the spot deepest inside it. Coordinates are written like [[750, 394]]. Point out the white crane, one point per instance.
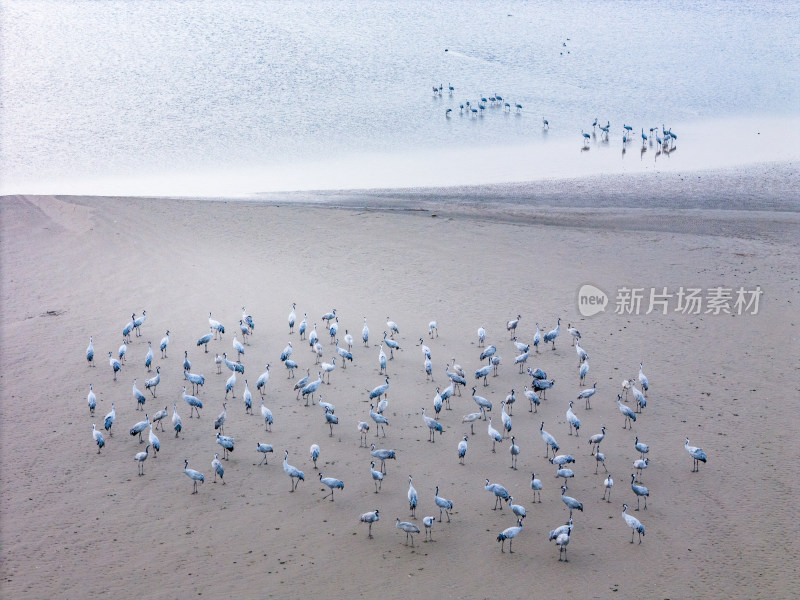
[[264, 449], [433, 426], [483, 373], [327, 368], [632, 522], [237, 345], [576, 335], [433, 326], [380, 420], [562, 529], [177, 425], [500, 493], [536, 486], [626, 412], [377, 477], [154, 442], [219, 423], [511, 326], [428, 523], [382, 359], [444, 505], [643, 379], [331, 420], [229, 385], [572, 503], [91, 400], [462, 449], [599, 459], [639, 398], [505, 418], [193, 402], [140, 457], [114, 363], [392, 326], [139, 428], [311, 387], [471, 418], [262, 380], [561, 541], [328, 317], [332, 483], [363, 430], [227, 444], [344, 354], [164, 343], [514, 449], [488, 353], [533, 399], [509, 534], [295, 474], [626, 385], [517, 509], [640, 491], [583, 371], [195, 476], [494, 435], [697, 455], [551, 336], [109, 420], [266, 414], [152, 383], [641, 447], [549, 441], [391, 344], [383, 455], [370, 517], [218, 362], [218, 469], [98, 438], [596, 439], [409, 528], [247, 397], [640, 464], [348, 339], [90, 353], [292, 319], [587, 395], [203, 341], [565, 473], [522, 359], [573, 420], [217, 327], [607, 485], [412, 498], [481, 337]]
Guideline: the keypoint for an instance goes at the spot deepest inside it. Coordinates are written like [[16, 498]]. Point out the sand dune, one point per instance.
[[79, 524]]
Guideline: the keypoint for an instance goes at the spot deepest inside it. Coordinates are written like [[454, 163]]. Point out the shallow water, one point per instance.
[[235, 98]]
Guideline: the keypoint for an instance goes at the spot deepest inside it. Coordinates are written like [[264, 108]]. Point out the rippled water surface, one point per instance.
[[238, 97]]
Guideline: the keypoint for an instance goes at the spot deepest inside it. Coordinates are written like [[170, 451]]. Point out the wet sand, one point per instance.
[[79, 524]]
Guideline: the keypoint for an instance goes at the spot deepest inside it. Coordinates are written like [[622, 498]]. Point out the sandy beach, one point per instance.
[[75, 524]]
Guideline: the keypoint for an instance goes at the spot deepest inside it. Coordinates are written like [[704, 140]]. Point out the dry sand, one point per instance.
[[76, 524]]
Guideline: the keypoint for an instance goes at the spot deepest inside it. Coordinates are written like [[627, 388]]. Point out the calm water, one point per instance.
[[237, 97]]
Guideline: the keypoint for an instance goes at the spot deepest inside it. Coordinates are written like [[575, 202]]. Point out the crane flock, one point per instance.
[[307, 390]]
